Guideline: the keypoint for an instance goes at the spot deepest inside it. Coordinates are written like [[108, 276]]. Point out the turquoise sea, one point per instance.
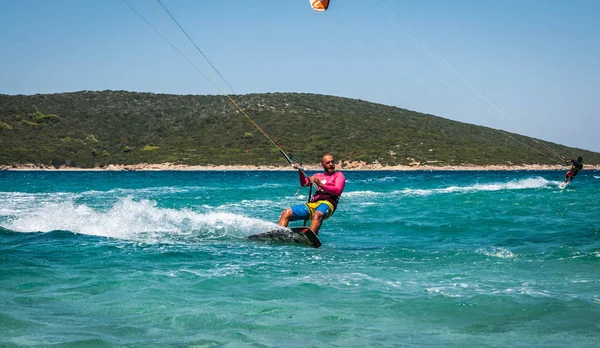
[[410, 259]]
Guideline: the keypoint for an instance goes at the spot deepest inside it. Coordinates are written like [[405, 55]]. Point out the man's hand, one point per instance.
[[316, 180]]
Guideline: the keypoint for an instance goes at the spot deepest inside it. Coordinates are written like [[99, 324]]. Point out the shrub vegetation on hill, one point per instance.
[[89, 129]]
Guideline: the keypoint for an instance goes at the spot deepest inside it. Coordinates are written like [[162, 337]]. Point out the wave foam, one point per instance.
[[137, 220], [529, 183], [496, 252], [353, 194]]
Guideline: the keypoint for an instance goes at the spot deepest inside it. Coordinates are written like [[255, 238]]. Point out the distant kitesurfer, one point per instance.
[[576, 166], [321, 206]]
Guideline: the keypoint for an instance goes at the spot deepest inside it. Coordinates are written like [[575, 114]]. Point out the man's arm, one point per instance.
[[304, 181]]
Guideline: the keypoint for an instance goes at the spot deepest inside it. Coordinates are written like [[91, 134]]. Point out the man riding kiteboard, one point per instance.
[[330, 185], [576, 166]]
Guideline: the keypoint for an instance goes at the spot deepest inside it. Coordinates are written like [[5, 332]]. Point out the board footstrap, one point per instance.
[[309, 234]]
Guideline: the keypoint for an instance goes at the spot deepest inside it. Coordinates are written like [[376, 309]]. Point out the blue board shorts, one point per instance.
[[307, 210]]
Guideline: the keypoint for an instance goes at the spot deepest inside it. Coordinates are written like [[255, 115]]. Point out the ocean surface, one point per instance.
[[410, 259]]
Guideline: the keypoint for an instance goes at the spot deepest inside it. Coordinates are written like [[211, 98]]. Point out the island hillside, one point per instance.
[[95, 129]]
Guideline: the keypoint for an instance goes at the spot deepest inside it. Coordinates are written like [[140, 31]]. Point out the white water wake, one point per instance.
[[136, 220], [528, 183]]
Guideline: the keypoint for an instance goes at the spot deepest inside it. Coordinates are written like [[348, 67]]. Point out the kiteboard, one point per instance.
[[301, 235], [564, 184]]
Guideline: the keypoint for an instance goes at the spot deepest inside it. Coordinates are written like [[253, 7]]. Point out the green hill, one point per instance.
[[89, 129]]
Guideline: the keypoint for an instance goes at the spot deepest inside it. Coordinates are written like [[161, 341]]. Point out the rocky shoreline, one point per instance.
[[346, 165]]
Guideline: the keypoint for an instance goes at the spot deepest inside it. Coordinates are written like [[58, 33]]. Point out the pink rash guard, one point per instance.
[[333, 185]]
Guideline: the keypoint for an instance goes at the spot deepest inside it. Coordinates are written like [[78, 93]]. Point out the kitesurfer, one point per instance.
[[321, 206], [576, 166]]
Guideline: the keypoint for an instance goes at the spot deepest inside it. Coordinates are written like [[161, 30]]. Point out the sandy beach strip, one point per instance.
[[312, 167]]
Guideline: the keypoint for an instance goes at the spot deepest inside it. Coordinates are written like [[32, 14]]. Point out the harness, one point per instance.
[[577, 166], [324, 195]]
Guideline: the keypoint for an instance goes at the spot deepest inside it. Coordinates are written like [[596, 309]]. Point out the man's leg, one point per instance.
[[297, 212], [322, 212], [284, 219], [316, 222]]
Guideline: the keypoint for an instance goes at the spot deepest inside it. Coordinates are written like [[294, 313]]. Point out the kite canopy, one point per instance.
[[319, 5]]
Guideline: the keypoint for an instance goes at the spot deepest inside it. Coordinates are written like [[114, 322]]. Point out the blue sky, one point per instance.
[[525, 66]]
